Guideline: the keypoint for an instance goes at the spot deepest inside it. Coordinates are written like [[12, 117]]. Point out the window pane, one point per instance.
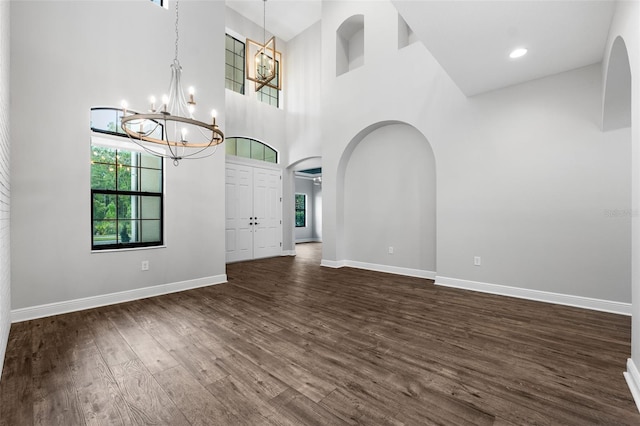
[[257, 150], [151, 208], [269, 155], [239, 88], [103, 176], [104, 119], [229, 43], [104, 232], [239, 76], [239, 62], [126, 233], [229, 57], [228, 71], [127, 206], [151, 180], [230, 146], [150, 161], [150, 231], [244, 148], [104, 206], [126, 178]]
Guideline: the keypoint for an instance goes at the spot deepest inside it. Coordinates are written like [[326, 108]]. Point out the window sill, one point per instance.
[[128, 249]]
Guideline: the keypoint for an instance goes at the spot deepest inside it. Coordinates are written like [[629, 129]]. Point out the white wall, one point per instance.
[[5, 255], [525, 178], [67, 57], [390, 200], [626, 24]]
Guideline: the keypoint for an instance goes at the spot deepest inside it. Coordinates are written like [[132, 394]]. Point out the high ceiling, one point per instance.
[[472, 39], [285, 18]]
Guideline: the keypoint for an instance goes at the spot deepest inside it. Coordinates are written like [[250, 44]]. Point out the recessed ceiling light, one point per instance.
[[518, 53]]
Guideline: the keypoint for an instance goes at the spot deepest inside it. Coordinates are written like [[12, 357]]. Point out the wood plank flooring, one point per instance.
[[287, 342]]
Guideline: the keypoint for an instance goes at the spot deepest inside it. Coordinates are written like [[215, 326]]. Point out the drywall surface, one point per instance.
[[390, 200], [67, 57], [5, 194]]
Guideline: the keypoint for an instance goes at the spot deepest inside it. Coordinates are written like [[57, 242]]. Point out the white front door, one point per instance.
[[267, 211], [253, 212]]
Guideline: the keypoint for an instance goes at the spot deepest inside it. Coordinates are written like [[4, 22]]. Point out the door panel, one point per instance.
[[238, 210], [253, 212]]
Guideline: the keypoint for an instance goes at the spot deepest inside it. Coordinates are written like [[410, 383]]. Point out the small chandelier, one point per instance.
[[172, 124], [263, 59]]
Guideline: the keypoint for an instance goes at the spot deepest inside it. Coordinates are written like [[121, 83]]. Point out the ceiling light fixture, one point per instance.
[[264, 62], [518, 53], [173, 125]]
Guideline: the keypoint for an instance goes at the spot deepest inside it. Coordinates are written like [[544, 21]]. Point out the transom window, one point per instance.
[[234, 64], [251, 148], [126, 191]]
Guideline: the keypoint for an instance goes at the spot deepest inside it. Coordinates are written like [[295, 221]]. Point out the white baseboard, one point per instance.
[[288, 253], [41, 311], [541, 296], [308, 240], [632, 376], [332, 263], [409, 272]]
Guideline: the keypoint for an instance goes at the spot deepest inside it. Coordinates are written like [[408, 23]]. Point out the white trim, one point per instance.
[[633, 381], [308, 240], [288, 253], [538, 295], [409, 272], [332, 263], [40, 311]]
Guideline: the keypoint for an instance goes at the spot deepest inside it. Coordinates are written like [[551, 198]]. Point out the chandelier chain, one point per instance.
[[264, 22], [177, 35]]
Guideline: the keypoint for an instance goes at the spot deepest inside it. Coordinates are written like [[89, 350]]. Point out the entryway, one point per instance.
[[253, 225]]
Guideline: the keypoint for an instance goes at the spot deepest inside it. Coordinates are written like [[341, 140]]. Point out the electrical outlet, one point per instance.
[[145, 265], [477, 261], [390, 250]]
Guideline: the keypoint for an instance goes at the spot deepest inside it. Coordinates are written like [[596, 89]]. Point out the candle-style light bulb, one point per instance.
[[192, 92], [152, 99], [214, 114], [124, 105], [165, 102], [184, 134]]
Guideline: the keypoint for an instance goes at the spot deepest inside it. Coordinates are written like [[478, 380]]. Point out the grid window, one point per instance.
[[268, 94], [126, 190], [301, 210], [234, 64], [250, 148]]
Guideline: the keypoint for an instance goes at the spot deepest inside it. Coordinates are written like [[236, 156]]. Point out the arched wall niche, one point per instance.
[[386, 200], [350, 44], [616, 111]]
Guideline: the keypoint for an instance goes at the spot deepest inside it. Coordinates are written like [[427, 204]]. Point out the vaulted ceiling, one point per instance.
[[472, 39]]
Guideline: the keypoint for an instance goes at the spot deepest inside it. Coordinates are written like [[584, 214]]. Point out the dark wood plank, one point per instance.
[[287, 342]]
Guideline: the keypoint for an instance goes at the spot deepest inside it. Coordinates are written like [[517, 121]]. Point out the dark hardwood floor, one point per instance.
[[287, 342]]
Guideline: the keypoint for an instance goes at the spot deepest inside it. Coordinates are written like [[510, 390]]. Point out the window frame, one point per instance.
[[234, 139], [303, 210], [114, 140], [244, 80]]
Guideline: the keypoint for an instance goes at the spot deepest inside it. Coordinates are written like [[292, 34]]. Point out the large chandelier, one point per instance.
[[263, 59], [170, 127]]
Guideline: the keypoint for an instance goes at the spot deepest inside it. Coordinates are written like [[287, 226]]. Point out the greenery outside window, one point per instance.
[[234, 64], [301, 210], [126, 190], [250, 148]]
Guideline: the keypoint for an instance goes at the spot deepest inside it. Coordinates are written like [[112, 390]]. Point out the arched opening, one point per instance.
[[616, 112], [303, 221], [350, 44], [386, 201]]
